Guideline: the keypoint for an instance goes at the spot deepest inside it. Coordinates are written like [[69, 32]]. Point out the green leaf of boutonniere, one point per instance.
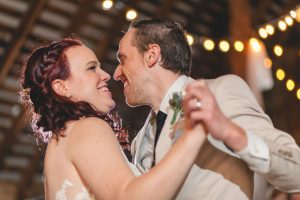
[[175, 104]]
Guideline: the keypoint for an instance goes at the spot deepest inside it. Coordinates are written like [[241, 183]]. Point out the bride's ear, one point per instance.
[[60, 88], [153, 55]]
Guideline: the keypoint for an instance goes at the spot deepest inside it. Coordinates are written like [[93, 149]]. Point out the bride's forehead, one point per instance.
[[80, 54]]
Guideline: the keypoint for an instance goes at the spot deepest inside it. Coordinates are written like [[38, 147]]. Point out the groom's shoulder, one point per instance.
[[227, 80]]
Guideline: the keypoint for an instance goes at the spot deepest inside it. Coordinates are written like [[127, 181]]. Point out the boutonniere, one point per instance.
[[176, 105]]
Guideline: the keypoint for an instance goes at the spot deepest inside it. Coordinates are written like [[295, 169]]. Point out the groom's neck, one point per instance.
[[162, 82]]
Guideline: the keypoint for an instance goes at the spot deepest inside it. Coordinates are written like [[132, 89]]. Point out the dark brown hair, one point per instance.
[[175, 51]]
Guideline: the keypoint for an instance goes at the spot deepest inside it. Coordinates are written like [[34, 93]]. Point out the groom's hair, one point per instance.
[[170, 36]]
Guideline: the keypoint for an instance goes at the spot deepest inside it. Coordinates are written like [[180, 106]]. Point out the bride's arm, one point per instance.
[[97, 156]]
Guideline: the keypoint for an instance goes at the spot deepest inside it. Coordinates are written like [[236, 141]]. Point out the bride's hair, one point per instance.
[[43, 66]]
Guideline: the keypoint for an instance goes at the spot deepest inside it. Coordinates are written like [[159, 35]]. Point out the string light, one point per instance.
[[263, 33], [290, 84], [190, 39], [268, 63], [280, 74], [278, 51], [270, 29], [209, 45], [298, 93], [289, 21], [239, 46], [107, 4], [224, 46], [255, 45], [293, 14], [282, 25], [131, 14]]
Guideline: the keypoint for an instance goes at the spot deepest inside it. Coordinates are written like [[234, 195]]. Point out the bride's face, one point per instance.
[[88, 82]]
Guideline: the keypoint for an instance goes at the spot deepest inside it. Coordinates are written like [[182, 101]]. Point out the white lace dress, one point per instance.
[[84, 194]]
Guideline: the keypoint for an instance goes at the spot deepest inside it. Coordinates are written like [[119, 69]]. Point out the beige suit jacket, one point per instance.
[[214, 174]]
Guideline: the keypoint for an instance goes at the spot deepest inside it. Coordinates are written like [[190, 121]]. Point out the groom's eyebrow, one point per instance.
[[94, 62]]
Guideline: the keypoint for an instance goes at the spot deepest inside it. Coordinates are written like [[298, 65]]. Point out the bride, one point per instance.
[[67, 93]]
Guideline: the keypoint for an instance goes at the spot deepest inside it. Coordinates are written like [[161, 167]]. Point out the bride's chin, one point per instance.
[[108, 108]]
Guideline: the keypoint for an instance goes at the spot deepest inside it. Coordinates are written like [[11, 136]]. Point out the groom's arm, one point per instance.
[[268, 151]]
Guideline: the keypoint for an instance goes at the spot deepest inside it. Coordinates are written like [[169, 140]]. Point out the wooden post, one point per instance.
[[240, 29]]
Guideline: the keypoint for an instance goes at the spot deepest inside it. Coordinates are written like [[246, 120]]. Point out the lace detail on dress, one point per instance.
[[61, 194]]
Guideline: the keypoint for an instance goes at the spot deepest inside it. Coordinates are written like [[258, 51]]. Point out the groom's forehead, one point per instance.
[[128, 36]]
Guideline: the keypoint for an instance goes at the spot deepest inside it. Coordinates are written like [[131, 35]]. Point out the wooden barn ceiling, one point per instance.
[[24, 24]]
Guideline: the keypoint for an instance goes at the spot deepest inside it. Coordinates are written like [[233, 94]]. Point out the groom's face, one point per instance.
[[131, 71]]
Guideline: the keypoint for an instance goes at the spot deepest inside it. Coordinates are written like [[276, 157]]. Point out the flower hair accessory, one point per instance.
[[39, 132], [176, 105], [25, 95]]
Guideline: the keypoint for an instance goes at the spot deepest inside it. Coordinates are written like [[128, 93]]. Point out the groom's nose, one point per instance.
[[117, 73]]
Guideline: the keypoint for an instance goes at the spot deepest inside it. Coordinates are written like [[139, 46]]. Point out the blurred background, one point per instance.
[[255, 39]]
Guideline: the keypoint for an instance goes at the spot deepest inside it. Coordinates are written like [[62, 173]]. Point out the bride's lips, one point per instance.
[[105, 89]]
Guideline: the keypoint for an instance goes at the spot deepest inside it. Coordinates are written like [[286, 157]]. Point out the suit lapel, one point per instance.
[[164, 141], [142, 147]]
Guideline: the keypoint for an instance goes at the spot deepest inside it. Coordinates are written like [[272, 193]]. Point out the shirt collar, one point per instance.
[[177, 86]]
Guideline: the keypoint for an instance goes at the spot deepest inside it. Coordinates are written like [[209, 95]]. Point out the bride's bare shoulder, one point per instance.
[[91, 123], [89, 128]]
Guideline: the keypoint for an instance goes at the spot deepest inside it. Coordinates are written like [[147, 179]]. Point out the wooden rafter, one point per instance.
[[20, 35], [84, 8], [165, 8]]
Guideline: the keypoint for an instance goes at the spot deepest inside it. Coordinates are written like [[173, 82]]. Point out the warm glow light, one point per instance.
[[190, 39], [290, 85], [239, 46], [278, 50], [281, 25], [209, 45], [267, 62], [270, 29], [224, 46], [298, 93], [289, 21], [280, 74], [131, 15], [298, 14], [255, 44], [263, 33], [293, 14], [107, 4]]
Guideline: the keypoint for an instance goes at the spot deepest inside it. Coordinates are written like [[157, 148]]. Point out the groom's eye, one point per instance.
[[92, 68]]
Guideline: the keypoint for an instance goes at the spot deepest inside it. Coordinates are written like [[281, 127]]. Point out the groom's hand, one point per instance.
[[200, 106]]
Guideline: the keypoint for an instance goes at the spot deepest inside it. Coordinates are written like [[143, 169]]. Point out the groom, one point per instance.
[[155, 62]]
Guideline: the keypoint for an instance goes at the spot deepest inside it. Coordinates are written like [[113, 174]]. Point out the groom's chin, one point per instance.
[[131, 103]]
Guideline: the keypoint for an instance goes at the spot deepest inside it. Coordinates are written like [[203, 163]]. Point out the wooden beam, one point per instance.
[[261, 10], [19, 37], [240, 29], [84, 8], [165, 8], [111, 33]]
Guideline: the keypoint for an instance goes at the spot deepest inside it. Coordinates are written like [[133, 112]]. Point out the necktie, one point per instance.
[[160, 120]]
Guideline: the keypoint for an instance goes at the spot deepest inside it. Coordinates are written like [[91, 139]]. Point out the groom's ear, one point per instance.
[[153, 55]]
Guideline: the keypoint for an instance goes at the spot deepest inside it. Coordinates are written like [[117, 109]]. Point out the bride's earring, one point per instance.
[[68, 95]]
